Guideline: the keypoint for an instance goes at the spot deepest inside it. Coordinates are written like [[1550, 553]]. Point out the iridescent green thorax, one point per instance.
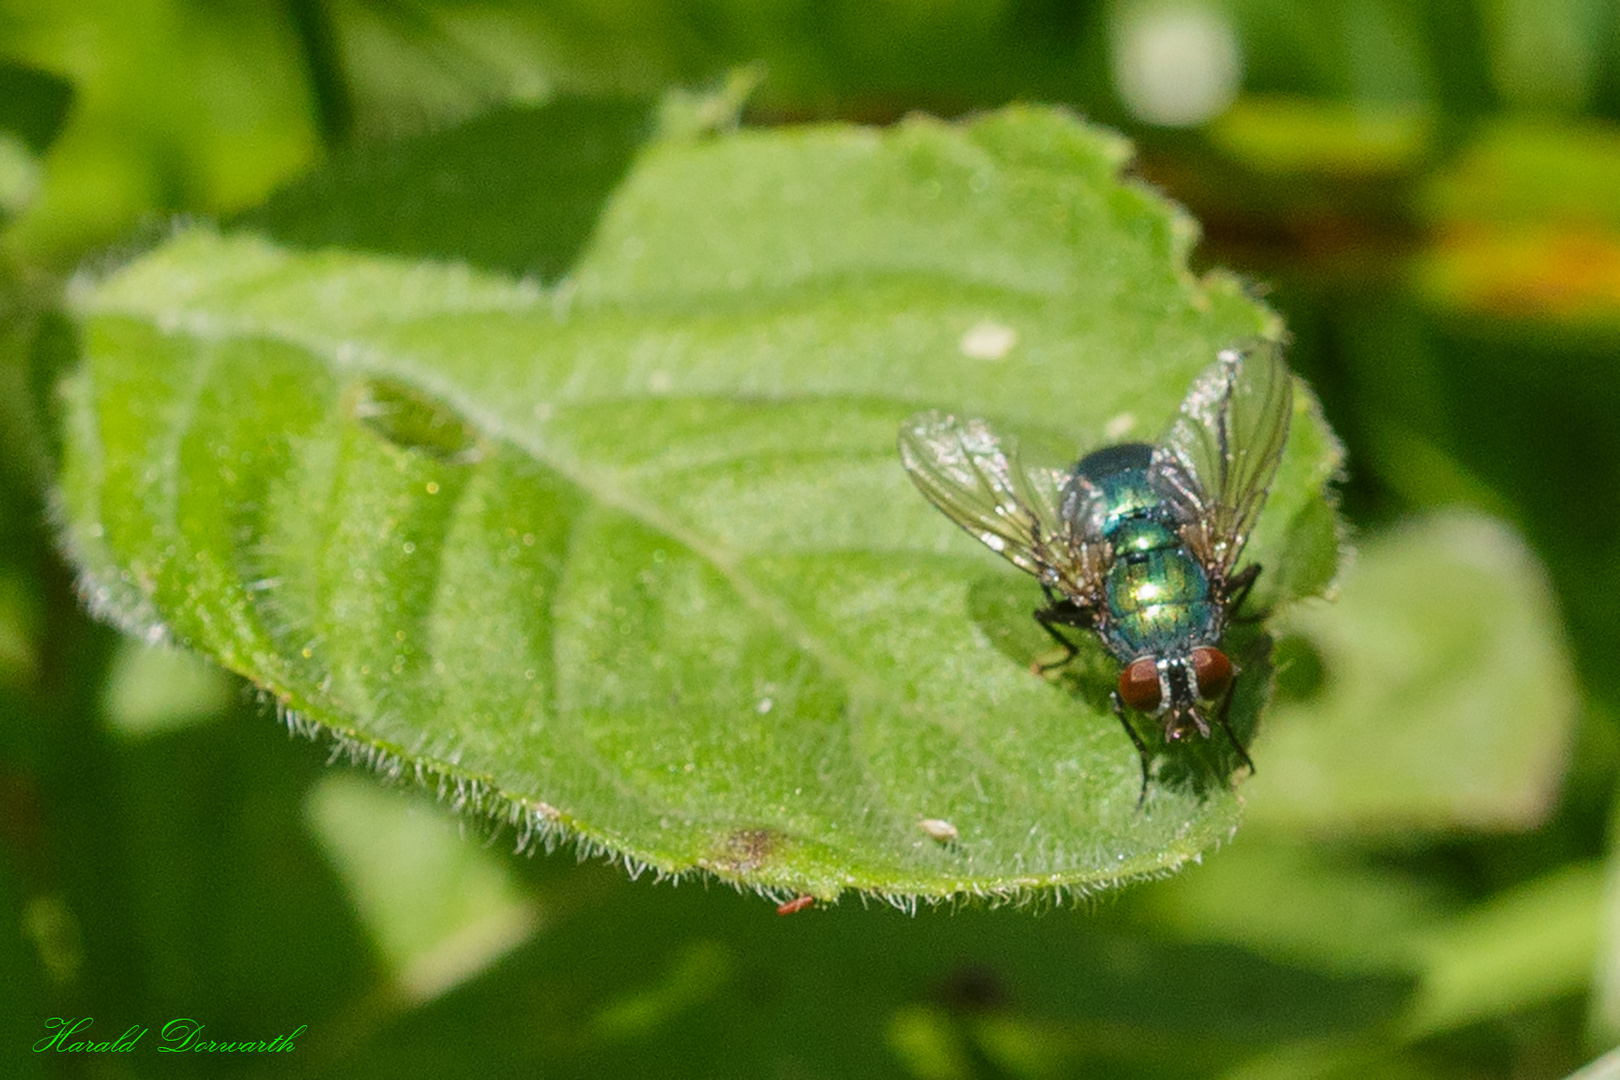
[[1121, 473]]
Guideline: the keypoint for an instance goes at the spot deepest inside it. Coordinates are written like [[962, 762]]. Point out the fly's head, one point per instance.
[[1175, 688]]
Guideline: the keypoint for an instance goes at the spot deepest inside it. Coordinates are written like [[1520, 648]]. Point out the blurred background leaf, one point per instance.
[[1434, 692], [635, 980]]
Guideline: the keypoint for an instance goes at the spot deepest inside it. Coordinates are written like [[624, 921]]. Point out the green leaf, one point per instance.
[[33, 105], [1332, 910], [633, 559], [1525, 947], [1605, 1067], [1603, 1012], [150, 690], [1515, 171], [21, 967], [1527, 233], [1437, 692], [1295, 136], [440, 909]]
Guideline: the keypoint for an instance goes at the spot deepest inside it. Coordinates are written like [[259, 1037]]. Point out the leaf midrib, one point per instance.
[[598, 483]]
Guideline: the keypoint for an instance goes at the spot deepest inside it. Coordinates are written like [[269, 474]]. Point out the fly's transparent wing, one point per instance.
[[1216, 462], [976, 478]]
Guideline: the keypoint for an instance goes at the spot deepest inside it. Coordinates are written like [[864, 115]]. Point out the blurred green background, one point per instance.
[[1430, 194]]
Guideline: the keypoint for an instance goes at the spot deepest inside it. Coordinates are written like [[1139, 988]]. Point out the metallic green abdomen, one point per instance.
[[1159, 602], [1157, 593]]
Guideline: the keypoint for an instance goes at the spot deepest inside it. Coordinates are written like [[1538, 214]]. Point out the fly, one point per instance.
[[1138, 544]]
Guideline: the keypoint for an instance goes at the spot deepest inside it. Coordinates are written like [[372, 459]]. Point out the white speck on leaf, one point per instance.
[[988, 341]]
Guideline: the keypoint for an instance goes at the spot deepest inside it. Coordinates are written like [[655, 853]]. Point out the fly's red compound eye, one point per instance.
[[1213, 671], [1139, 685]]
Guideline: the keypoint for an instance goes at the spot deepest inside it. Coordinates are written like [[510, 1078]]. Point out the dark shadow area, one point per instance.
[[548, 170], [33, 104], [649, 980]]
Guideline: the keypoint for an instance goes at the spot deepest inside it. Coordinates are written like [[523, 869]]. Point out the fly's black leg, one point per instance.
[[1141, 747], [1061, 612], [1237, 591], [1050, 624], [1226, 726]]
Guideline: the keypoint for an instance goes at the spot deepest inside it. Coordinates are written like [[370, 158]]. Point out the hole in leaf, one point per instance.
[[411, 420]]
